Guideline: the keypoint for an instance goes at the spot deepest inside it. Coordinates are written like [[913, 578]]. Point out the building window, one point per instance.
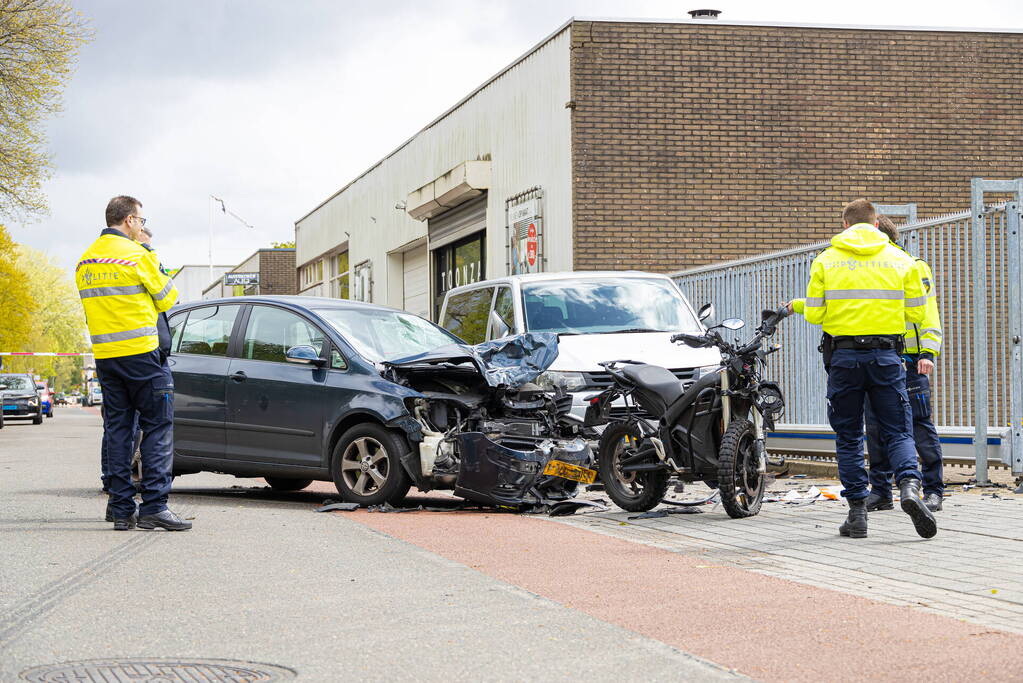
[[460, 263], [340, 276], [311, 273], [362, 279]]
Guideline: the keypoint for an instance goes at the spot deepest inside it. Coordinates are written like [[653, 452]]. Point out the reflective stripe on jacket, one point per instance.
[[925, 336], [863, 285], [122, 290]]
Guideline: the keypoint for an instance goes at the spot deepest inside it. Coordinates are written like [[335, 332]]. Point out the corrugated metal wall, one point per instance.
[[518, 120]]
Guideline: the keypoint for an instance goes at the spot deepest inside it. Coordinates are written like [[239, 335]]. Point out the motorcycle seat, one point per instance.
[[656, 382]]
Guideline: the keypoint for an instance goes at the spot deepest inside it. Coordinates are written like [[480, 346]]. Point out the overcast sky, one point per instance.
[[273, 105]]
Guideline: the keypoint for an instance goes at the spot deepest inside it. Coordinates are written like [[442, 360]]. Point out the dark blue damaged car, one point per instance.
[[297, 389]]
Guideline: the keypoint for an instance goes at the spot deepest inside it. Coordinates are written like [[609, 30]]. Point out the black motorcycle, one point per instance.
[[712, 430]]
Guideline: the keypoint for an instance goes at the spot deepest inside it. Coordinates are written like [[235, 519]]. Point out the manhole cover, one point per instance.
[[157, 671]]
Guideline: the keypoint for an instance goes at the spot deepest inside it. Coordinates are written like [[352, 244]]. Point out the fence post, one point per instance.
[[978, 267], [907, 211], [1015, 331]]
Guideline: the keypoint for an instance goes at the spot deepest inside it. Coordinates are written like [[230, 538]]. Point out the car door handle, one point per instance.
[[239, 376]]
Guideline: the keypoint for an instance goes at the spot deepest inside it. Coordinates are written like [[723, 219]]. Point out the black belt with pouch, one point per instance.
[[870, 342]]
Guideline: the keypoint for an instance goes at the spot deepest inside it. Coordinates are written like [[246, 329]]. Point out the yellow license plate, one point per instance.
[[584, 475]]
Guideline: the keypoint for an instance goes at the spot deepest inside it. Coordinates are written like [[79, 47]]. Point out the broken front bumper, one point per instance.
[[492, 473]]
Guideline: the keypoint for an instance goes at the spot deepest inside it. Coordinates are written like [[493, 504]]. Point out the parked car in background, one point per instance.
[[60, 398], [45, 398], [598, 316], [94, 396], [20, 398], [296, 389]]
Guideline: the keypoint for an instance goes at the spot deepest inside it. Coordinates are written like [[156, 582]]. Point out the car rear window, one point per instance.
[[208, 330]]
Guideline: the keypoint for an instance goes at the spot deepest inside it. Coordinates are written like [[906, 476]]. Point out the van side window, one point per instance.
[[502, 322], [467, 314]]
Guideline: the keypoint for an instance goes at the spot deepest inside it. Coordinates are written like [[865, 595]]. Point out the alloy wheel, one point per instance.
[[364, 466]]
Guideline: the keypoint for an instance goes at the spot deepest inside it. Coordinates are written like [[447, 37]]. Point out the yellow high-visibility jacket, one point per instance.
[[863, 285], [925, 336], [122, 290]]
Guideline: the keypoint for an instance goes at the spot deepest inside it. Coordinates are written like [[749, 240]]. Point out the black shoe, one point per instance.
[[933, 501], [164, 519], [855, 525], [912, 505], [125, 524], [876, 503], [110, 512]]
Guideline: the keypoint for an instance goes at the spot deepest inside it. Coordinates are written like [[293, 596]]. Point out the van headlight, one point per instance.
[[33, 402], [705, 370], [567, 381]]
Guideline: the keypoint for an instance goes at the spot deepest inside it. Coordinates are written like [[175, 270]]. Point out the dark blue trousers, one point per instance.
[[925, 436], [142, 384], [104, 467], [855, 375]]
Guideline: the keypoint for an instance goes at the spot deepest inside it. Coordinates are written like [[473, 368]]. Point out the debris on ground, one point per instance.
[[345, 507]]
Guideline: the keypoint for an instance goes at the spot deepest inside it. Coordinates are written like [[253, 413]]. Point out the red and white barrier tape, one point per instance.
[[43, 353]]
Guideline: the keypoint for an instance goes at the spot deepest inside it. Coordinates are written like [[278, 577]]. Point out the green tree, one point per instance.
[[57, 320], [16, 301], [283, 245], [39, 41]]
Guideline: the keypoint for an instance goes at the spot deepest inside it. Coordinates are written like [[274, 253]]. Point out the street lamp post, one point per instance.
[[223, 209]]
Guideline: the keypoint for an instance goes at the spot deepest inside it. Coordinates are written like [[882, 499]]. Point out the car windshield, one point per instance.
[[15, 382], [606, 306], [380, 334]]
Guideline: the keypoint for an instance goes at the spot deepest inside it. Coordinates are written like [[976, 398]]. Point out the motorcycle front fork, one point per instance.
[[759, 438]]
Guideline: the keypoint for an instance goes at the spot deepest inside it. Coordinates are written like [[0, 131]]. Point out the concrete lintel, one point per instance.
[[457, 186]]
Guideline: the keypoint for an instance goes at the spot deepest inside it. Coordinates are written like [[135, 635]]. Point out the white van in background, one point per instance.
[[598, 316]]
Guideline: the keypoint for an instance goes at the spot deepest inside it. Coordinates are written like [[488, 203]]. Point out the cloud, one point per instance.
[[274, 106]]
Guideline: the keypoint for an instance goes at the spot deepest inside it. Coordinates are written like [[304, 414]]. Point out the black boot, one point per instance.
[[912, 505], [877, 502], [855, 525]]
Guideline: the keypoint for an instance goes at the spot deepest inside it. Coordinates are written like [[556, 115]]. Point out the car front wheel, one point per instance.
[[366, 466]]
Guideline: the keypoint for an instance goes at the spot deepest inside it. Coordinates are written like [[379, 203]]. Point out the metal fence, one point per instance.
[[975, 256]]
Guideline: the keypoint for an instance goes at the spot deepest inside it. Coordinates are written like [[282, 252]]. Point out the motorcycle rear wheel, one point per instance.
[[741, 485], [631, 491]]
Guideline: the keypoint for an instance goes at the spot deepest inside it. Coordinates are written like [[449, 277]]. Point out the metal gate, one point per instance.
[[978, 388]]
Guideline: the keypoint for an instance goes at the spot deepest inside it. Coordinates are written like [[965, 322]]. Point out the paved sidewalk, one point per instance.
[[972, 570]]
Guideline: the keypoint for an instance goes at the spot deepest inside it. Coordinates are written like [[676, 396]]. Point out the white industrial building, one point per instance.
[[190, 280], [434, 213]]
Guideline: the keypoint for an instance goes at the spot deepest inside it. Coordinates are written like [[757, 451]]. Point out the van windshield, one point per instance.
[[606, 306]]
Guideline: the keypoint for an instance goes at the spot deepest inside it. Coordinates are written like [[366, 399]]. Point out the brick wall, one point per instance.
[[701, 143], [277, 273]]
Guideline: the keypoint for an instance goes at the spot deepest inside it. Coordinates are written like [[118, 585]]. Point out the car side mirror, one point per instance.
[[304, 355], [706, 311]]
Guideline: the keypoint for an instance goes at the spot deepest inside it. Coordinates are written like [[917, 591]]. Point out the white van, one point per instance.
[[598, 316]]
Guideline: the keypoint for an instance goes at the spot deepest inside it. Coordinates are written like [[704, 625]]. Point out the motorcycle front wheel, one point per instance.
[[632, 491], [740, 482]]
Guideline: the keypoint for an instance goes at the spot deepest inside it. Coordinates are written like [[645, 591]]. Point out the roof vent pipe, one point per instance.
[[704, 13]]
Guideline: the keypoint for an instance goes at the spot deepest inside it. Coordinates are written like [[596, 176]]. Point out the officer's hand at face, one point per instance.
[[924, 366]]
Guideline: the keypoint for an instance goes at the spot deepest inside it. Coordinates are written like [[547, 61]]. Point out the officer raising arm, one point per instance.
[[863, 290]]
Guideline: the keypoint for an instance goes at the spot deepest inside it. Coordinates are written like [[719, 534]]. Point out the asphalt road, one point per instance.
[[263, 578]]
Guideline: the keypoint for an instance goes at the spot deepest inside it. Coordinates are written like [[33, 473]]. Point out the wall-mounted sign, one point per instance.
[[525, 233], [243, 279]]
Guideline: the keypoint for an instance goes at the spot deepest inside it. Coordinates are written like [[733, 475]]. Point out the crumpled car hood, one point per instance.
[[509, 362]]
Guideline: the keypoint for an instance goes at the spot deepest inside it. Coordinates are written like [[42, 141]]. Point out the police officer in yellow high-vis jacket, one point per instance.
[[862, 290], [123, 290], [922, 346]]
